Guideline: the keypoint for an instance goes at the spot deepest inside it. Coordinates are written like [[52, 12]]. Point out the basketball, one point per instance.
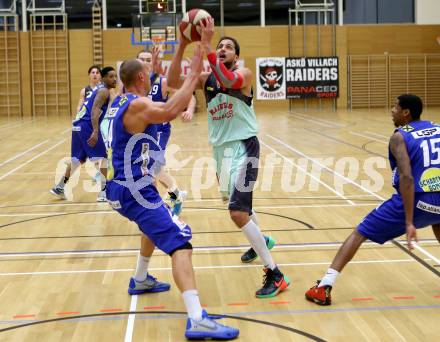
[[190, 26]]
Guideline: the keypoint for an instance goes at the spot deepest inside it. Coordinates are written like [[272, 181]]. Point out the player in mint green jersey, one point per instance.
[[233, 133]]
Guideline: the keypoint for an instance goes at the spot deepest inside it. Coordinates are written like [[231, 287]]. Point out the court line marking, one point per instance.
[[23, 153], [367, 137], [32, 159], [326, 167], [315, 119], [72, 203], [104, 212], [377, 135], [424, 251], [131, 319], [202, 249], [144, 315], [307, 173], [212, 267]]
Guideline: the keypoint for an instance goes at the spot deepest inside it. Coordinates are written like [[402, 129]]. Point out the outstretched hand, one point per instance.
[[207, 30], [156, 61], [411, 234], [196, 64]]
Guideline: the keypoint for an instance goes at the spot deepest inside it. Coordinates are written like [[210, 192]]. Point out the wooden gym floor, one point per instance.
[[65, 265]]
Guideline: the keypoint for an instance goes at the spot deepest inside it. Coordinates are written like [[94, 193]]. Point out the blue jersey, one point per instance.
[[85, 113], [138, 152], [422, 140], [156, 96]]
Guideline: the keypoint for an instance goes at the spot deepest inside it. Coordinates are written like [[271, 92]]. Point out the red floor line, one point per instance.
[[110, 310], [279, 303], [362, 299], [238, 304], [403, 297], [438, 296], [68, 313], [22, 316], [154, 307]]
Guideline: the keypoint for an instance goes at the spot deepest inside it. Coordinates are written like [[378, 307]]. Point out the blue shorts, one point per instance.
[[167, 232], [387, 221], [163, 136], [81, 132]]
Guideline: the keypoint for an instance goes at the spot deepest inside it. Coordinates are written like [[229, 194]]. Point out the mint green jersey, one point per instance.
[[231, 116]]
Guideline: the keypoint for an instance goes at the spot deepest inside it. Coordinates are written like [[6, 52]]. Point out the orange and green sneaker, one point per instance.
[[274, 282]]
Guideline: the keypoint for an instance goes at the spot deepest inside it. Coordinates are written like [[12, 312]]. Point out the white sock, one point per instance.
[[253, 217], [258, 243], [192, 303], [329, 278], [141, 268]]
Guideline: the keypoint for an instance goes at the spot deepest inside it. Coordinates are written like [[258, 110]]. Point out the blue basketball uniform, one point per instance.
[[130, 176], [82, 130], [386, 222], [163, 129]]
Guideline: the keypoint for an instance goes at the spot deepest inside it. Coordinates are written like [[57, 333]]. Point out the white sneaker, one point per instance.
[[58, 192], [102, 196]]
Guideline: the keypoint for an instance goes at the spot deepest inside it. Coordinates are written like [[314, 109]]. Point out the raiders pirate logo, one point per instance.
[[271, 75]]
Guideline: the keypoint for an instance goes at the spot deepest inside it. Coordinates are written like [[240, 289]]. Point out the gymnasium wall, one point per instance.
[[427, 11], [255, 42]]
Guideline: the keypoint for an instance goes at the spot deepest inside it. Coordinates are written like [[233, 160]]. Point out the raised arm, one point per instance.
[[143, 111], [233, 78], [406, 183], [101, 98]]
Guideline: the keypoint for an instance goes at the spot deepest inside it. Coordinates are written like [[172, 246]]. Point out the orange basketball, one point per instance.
[[190, 26]]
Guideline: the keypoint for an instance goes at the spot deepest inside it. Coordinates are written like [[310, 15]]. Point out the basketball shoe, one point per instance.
[[149, 285], [274, 282], [250, 255], [58, 192], [208, 328], [102, 197], [320, 295]]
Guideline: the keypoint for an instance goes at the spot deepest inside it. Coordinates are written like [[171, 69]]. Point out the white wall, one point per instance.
[[427, 11]]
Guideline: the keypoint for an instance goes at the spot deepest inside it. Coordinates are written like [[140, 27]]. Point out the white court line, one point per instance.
[[191, 201], [377, 135], [199, 249], [367, 137], [307, 173], [315, 119], [213, 267], [23, 153], [131, 318], [189, 209], [429, 255], [66, 130], [326, 167], [15, 124], [32, 159]]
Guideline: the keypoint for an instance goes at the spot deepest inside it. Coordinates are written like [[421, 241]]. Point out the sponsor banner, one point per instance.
[[312, 77], [270, 78]]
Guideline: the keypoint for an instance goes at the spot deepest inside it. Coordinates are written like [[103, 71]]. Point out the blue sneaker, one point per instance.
[[177, 203], [208, 328], [149, 285]]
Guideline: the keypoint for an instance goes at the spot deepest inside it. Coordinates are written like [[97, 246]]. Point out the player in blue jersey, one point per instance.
[[160, 92], [131, 149], [94, 73], [87, 143], [233, 129], [414, 153]]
